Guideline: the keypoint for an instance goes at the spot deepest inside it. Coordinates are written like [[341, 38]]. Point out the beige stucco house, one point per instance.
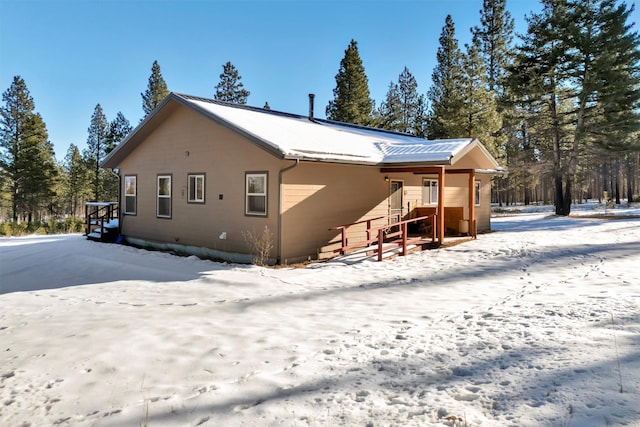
[[198, 175]]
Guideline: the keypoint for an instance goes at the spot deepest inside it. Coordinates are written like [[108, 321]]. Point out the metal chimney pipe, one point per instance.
[[311, 97]]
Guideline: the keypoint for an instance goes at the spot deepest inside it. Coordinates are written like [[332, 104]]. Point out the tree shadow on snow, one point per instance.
[[31, 264], [502, 383]]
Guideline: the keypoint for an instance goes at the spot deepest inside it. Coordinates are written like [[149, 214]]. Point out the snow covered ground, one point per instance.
[[537, 324]]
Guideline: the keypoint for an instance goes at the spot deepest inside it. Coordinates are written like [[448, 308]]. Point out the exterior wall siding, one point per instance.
[[186, 142], [320, 196], [313, 198]]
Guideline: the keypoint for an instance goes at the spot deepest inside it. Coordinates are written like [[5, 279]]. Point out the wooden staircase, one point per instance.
[[102, 221]]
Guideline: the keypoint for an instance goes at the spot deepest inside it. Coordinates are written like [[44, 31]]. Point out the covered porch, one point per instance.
[[453, 215]]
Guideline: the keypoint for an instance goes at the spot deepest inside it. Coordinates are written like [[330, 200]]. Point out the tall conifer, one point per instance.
[[401, 110], [27, 160], [351, 97], [119, 128], [389, 115], [409, 98], [479, 103], [230, 88], [446, 118], [96, 149], [76, 181], [156, 90], [495, 37]]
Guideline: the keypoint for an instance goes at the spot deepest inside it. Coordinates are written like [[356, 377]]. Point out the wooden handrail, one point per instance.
[[104, 212], [343, 232], [365, 220], [382, 232], [403, 233]]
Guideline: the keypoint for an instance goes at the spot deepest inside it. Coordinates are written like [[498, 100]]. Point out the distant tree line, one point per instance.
[[559, 109]]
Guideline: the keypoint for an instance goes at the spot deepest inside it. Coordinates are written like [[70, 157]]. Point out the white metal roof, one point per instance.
[[298, 137], [292, 136]]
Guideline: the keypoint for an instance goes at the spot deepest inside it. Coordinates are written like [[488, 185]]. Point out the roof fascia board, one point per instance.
[[332, 161], [402, 165]]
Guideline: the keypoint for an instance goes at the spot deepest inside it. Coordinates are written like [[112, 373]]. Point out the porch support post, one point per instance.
[[472, 203], [441, 205]]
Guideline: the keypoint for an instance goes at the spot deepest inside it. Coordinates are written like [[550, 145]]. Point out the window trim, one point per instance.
[[477, 190], [433, 183], [196, 176], [134, 195], [248, 175], [158, 196]]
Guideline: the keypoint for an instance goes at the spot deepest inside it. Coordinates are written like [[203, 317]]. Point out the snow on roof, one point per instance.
[[297, 136]]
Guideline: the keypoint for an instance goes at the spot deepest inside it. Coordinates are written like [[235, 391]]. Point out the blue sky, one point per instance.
[[76, 54]]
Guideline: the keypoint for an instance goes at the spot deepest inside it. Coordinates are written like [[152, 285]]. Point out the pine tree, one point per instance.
[[446, 117], [76, 186], [421, 118], [27, 160], [119, 128], [402, 111], [409, 99], [479, 103], [96, 149], [351, 97], [495, 37], [39, 168], [230, 88], [156, 90], [618, 65], [389, 115]]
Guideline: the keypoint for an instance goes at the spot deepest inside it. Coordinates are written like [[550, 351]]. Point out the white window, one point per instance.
[[477, 187], [429, 191], [130, 194], [256, 194], [196, 188], [164, 196]]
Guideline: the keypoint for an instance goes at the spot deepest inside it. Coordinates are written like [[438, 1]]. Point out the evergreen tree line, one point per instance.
[[559, 109], [34, 187]]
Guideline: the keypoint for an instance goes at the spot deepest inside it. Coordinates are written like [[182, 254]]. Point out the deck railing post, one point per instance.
[[380, 240], [433, 229], [344, 241], [403, 227]]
